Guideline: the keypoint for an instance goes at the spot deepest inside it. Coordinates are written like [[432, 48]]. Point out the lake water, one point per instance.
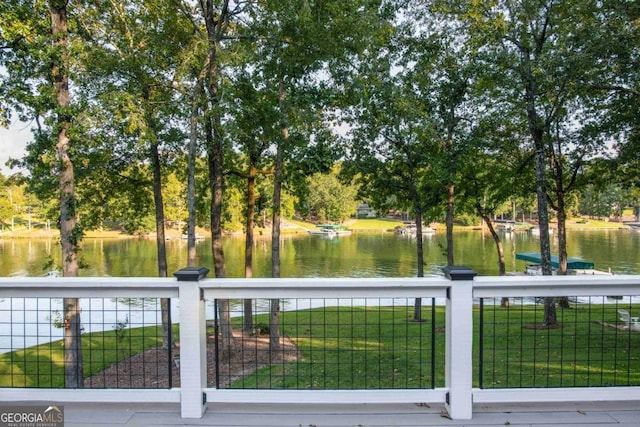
[[303, 255]]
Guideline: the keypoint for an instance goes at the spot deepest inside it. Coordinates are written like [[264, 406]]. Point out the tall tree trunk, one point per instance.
[[502, 270], [274, 306], [537, 130], [161, 247], [449, 223], [562, 245], [191, 172], [248, 251], [451, 126], [70, 234], [417, 304], [216, 22], [216, 181], [562, 220]]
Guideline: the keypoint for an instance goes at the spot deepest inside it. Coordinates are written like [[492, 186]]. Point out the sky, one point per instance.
[[12, 144]]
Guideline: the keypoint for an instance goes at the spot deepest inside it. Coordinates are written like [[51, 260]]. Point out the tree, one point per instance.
[[70, 232], [494, 170], [136, 64], [254, 131], [533, 49], [408, 124], [217, 17], [35, 50], [615, 86], [296, 42], [521, 48], [329, 199], [391, 143], [8, 208]]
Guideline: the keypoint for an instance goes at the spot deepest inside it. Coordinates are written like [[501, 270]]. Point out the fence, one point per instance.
[[338, 340]]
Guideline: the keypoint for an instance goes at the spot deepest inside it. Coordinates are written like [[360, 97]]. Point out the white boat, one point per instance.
[[198, 237], [412, 230], [575, 266], [330, 230], [536, 230], [505, 225]]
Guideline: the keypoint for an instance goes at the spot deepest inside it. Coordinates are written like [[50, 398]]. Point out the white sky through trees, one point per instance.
[[12, 144]]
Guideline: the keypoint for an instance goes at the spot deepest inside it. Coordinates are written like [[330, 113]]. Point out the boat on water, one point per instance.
[[536, 230], [330, 230], [410, 229], [505, 225], [574, 265], [198, 237]]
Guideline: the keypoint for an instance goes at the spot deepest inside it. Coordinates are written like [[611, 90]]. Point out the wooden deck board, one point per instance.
[[620, 414]]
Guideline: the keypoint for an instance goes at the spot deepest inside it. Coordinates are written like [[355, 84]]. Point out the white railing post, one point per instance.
[[459, 343], [193, 345]]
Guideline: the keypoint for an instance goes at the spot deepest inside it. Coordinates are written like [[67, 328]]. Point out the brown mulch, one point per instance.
[[149, 369]]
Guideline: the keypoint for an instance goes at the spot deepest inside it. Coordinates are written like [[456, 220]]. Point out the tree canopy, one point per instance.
[[424, 104]]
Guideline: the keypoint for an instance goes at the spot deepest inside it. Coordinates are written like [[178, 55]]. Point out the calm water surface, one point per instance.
[[302, 255]]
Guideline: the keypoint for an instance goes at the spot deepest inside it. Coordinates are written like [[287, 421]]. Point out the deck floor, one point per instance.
[[619, 414]]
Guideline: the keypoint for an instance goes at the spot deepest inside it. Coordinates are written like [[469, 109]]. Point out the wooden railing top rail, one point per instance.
[[88, 287], [555, 286], [326, 287]]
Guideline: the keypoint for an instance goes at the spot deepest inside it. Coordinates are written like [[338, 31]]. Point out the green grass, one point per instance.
[[373, 224], [591, 224], [43, 365], [352, 348], [302, 224], [581, 353], [380, 347]]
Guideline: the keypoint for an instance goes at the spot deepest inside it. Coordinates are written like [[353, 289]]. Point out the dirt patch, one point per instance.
[[150, 368]]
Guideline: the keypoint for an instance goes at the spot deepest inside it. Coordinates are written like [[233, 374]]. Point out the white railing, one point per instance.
[[458, 294], [90, 287], [556, 286]]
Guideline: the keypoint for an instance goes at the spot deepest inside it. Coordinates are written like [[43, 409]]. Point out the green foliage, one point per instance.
[[467, 220], [603, 203], [233, 209], [329, 199], [430, 99]]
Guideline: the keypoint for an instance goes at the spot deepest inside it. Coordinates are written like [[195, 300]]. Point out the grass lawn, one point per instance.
[[373, 224], [592, 224], [43, 365], [353, 348], [381, 348], [587, 350]]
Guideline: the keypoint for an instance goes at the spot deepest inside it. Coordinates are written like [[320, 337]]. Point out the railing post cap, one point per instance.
[[191, 274], [459, 272]]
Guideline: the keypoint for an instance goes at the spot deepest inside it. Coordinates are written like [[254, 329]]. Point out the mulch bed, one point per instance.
[[149, 369]]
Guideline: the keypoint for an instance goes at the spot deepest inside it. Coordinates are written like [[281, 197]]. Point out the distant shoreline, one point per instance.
[[294, 227]]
